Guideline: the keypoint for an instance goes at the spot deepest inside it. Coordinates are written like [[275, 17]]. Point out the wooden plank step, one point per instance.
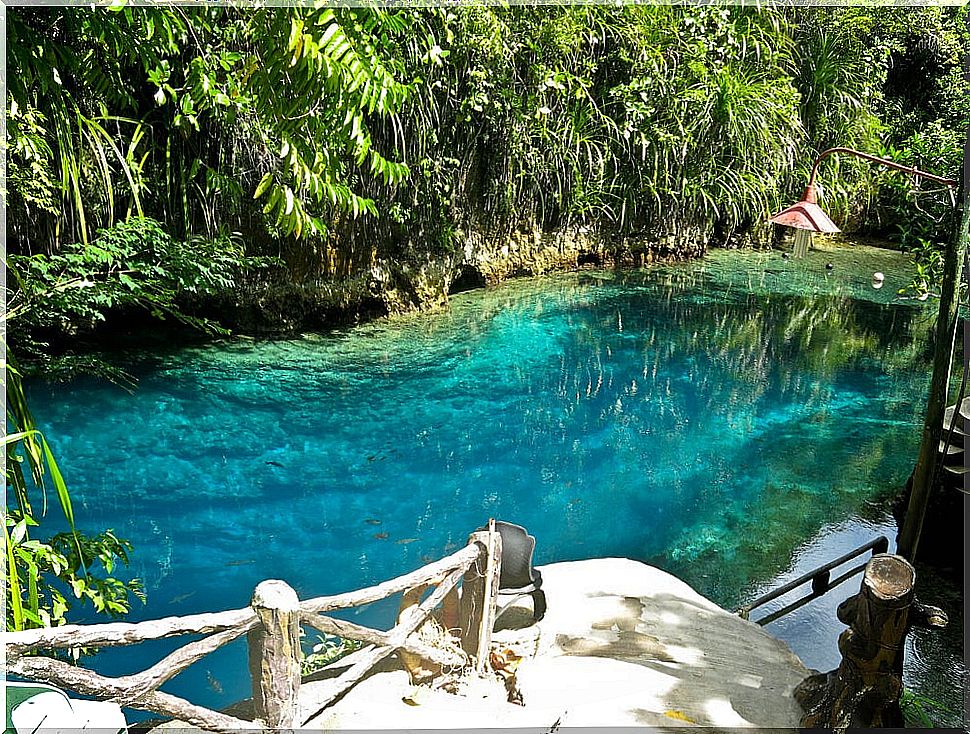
[[952, 450], [960, 427], [964, 412]]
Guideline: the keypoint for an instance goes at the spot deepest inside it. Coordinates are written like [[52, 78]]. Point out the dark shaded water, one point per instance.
[[708, 418]]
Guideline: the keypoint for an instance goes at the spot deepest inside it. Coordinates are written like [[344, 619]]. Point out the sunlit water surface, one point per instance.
[[709, 418]]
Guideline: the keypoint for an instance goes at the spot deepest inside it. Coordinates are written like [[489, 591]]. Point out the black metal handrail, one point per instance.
[[821, 582]]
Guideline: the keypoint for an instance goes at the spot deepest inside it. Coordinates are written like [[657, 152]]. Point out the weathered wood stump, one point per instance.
[[864, 690], [274, 654]]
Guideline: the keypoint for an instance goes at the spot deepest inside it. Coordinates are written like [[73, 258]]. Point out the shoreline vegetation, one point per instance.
[[274, 308], [281, 169]]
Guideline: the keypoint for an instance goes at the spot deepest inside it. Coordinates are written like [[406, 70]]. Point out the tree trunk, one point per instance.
[[946, 327]]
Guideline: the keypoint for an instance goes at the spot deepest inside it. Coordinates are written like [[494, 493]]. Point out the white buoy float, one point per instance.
[[878, 279]]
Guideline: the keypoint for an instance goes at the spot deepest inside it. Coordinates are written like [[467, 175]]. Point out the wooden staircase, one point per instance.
[[953, 476]]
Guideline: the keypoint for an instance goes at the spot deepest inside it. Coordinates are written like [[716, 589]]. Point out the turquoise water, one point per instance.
[[706, 418]]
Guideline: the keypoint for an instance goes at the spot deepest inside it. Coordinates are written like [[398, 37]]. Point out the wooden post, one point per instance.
[[493, 569], [478, 597], [472, 602], [864, 690], [274, 654]]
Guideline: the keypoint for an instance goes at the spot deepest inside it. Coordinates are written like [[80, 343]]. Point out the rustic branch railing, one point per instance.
[[271, 624]]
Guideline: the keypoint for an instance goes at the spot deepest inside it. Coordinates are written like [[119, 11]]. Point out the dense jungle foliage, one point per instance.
[[289, 167], [361, 147]]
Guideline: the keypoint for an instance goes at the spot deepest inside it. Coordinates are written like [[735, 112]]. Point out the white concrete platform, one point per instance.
[[622, 644]]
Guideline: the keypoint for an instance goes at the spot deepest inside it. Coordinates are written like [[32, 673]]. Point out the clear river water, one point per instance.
[[730, 420]]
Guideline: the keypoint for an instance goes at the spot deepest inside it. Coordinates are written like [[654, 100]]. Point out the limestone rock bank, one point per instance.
[[413, 279]]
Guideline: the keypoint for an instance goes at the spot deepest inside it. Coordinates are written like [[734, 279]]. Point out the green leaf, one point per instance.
[[13, 585], [59, 485], [264, 184], [273, 200], [296, 29], [19, 531]]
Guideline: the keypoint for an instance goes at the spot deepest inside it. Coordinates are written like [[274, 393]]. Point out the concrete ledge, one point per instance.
[[623, 644]]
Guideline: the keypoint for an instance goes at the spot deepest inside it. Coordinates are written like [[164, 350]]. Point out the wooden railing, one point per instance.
[[272, 624]]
